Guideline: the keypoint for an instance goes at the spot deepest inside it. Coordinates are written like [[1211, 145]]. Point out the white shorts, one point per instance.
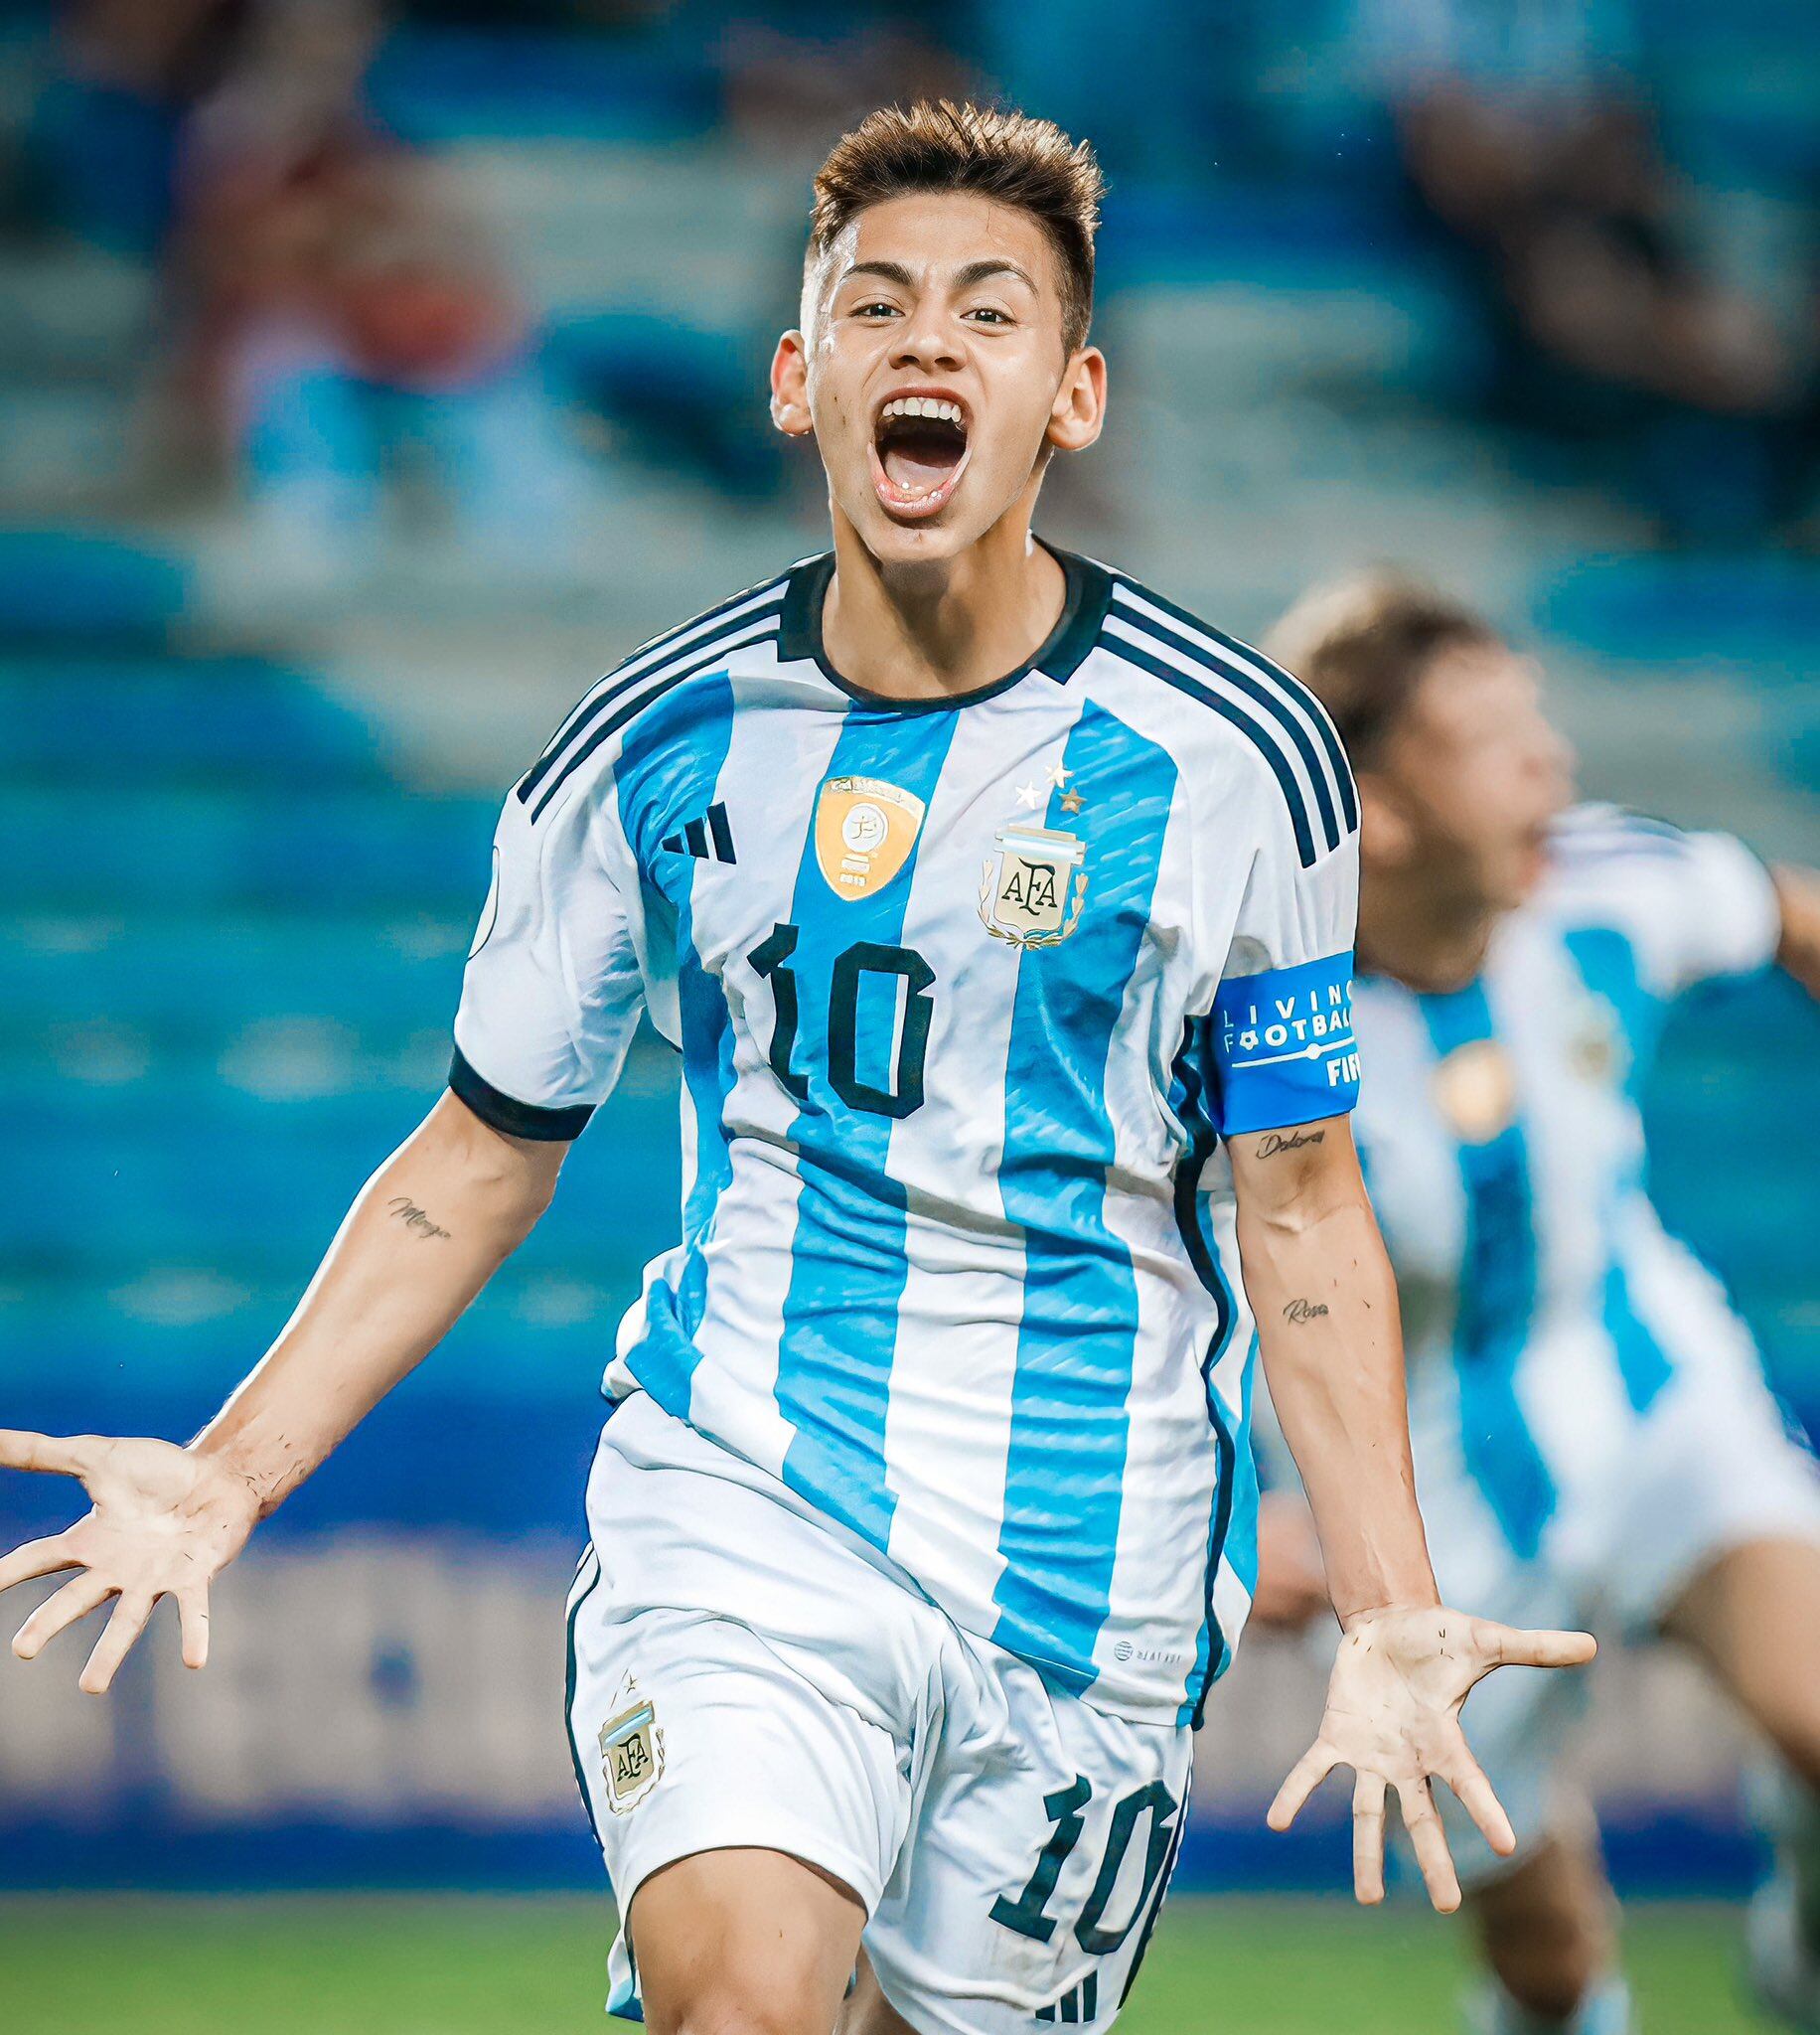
[[743, 1675], [1711, 1467]]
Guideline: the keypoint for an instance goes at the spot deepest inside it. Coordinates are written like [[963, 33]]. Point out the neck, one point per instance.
[[932, 631], [1424, 941]]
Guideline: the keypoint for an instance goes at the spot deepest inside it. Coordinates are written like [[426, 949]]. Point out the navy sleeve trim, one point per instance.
[[506, 1113]]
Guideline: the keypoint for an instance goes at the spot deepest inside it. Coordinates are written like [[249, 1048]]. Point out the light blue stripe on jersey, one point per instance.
[[847, 1256], [1065, 1468], [1607, 964], [668, 771], [1498, 1296], [1641, 1362]]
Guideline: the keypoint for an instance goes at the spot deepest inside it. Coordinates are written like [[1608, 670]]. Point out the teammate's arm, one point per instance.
[[1321, 1289], [425, 1234], [1797, 950]]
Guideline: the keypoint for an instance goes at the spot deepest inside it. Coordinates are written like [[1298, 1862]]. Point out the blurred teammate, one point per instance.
[[1594, 1437], [1001, 914]]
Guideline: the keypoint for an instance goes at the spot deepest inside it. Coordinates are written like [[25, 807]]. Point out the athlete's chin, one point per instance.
[[1519, 875], [901, 540]]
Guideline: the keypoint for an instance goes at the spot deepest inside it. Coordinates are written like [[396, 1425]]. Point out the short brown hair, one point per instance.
[[1363, 645], [987, 150]]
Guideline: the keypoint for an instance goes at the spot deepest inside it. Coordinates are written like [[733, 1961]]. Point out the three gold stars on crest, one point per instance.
[[1031, 796]]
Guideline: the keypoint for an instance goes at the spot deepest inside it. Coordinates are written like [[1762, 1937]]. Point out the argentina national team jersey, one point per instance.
[[966, 995], [1545, 1311]]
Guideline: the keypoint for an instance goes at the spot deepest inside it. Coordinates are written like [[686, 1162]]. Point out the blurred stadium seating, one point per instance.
[[246, 792]]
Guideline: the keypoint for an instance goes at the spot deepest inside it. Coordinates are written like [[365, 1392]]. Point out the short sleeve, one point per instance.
[[554, 988], [1280, 1035], [1693, 905]]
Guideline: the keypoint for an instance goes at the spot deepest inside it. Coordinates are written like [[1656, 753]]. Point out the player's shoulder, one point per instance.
[[1600, 854], [744, 623], [1224, 699]]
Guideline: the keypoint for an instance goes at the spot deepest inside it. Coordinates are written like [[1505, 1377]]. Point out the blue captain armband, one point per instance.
[[1283, 1047]]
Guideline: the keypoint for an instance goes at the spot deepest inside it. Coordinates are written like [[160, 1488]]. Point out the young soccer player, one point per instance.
[[1593, 1439], [1001, 915]]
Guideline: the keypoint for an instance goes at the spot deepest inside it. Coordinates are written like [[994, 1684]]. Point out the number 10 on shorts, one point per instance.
[[1153, 1806]]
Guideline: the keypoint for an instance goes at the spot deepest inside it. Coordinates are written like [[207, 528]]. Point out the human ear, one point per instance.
[[789, 386], [1386, 835], [1079, 409]]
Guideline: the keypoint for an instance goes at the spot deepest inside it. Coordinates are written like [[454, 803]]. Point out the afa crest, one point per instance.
[[864, 832], [631, 1749], [1033, 886], [1597, 1049]]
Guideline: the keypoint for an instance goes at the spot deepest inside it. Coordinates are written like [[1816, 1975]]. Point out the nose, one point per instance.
[[928, 339]]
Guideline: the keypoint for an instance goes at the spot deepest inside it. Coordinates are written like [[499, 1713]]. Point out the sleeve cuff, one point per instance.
[[506, 1113], [1283, 1047]]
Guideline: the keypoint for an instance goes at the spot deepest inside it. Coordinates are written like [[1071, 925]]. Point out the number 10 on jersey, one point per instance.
[[770, 960]]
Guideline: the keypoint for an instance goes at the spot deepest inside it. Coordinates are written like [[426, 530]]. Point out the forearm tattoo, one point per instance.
[[1301, 1310], [414, 1218], [1274, 1142]]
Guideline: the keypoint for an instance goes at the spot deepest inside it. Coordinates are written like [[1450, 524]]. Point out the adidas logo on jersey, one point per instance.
[[1080, 2003], [708, 839]]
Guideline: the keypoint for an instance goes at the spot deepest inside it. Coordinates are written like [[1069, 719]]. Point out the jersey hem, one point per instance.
[[506, 1113]]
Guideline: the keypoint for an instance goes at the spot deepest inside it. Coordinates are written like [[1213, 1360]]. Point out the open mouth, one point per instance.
[[919, 453]]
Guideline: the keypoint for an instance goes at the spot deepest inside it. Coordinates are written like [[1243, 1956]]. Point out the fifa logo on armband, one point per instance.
[[631, 1749]]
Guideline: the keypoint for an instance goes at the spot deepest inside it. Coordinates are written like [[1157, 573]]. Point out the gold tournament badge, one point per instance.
[[1476, 1088], [864, 832], [1033, 886]]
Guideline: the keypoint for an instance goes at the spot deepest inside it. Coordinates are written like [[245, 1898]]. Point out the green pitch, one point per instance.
[[465, 1967]]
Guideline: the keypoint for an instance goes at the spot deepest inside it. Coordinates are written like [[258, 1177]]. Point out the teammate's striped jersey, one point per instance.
[[965, 995], [1545, 1310]]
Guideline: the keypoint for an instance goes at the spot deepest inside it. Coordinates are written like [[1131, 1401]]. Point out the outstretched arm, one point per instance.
[[424, 1235], [1326, 1302], [1797, 893]]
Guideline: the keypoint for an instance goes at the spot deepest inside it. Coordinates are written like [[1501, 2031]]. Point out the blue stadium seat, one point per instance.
[[85, 588], [134, 848], [133, 717]]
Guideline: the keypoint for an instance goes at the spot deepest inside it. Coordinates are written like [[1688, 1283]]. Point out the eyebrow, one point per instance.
[[887, 271], [974, 272], [977, 271]]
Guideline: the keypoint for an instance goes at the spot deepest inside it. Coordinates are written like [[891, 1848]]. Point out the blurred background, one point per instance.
[[372, 377]]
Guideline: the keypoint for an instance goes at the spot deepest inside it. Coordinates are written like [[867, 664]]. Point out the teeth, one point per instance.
[[923, 407]]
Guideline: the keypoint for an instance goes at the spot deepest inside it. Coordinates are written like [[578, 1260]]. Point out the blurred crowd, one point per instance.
[[340, 336]]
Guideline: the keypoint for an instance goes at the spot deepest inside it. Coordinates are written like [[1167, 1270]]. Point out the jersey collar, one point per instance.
[[1077, 629]]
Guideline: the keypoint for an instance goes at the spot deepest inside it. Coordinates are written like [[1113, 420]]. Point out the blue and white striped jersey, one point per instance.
[[966, 995], [1545, 1310]]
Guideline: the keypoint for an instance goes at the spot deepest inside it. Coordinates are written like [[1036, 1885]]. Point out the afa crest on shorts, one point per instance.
[[1033, 886], [631, 1749], [864, 832]]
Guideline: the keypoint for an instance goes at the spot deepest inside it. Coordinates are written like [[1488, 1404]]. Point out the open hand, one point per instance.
[[164, 1522], [1392, 1717]]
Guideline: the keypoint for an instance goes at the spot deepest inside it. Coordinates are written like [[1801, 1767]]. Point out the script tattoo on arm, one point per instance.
[[1274, 1142], [414, 1218], [1300, 1312]]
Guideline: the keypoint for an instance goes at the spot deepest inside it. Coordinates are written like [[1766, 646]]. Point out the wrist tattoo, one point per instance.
[[1301, 1310], [415, 1219], [1274, 1142]]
